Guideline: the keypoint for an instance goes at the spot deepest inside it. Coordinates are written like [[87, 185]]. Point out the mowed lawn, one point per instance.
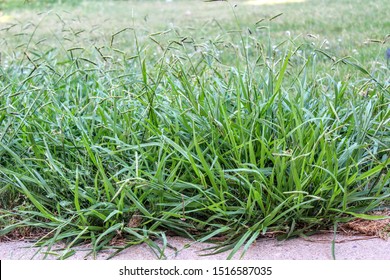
[[122, 122], [346, 28]]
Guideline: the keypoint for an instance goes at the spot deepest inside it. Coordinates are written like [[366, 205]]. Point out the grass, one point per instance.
[[231, 130]]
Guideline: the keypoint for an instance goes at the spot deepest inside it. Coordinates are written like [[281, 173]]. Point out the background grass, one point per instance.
[[137, 119]]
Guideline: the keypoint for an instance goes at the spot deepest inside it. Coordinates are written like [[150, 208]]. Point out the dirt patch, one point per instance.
[[24, 234], [375, 228], [379, 228]]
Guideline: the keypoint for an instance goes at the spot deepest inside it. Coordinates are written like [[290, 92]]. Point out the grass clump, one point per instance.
[[201, 139]]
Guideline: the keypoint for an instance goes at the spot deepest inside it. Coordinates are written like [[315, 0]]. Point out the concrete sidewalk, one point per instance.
[[318, 247]]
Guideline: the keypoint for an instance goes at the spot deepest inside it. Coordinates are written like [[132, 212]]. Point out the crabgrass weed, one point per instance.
[[221, 131]]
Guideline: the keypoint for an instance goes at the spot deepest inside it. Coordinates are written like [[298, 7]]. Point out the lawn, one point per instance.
[[122, 122]]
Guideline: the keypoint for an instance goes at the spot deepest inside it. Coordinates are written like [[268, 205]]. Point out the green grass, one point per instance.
[[231, 129]]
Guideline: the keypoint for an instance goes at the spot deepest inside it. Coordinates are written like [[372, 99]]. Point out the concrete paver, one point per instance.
[[318, 247]]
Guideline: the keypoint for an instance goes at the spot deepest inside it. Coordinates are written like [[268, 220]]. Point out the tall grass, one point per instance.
[[230, 137]]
